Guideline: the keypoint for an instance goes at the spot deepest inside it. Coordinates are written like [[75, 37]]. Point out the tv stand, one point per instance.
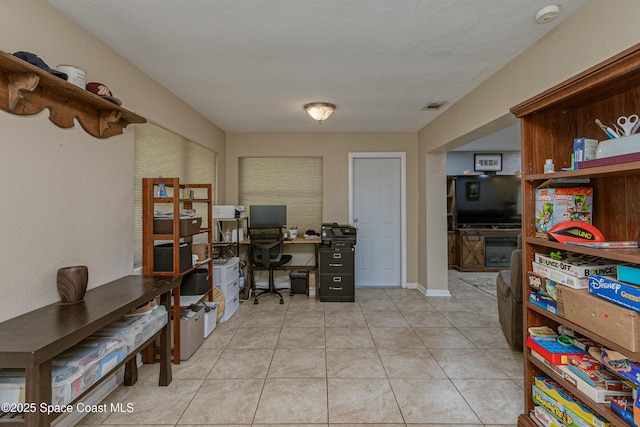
[[484, 248]]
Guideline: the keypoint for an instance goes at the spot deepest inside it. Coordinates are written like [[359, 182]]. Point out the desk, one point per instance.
[[31, 340], [298, 241]]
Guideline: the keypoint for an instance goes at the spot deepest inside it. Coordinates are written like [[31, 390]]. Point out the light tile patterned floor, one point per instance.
[[393, 358]]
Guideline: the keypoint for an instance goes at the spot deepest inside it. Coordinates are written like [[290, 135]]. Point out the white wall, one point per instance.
[[67, 196], [593, 34]]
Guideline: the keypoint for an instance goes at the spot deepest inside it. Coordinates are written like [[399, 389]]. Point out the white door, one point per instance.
[[376, 210]]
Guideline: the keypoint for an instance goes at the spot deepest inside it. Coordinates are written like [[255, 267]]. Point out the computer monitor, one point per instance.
[[267, 215]]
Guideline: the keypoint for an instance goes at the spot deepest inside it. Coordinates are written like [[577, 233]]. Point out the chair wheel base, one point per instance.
[[255, 301], [281, 301]]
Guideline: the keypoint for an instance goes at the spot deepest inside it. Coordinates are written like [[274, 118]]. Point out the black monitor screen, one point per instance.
[[268, 215]]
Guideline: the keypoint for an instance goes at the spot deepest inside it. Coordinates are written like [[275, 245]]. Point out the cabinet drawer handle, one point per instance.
[[337, 279], [337, 256], [335, 265], [335, 288]]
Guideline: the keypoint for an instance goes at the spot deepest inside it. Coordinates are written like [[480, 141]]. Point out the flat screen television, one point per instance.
[[488, 201], [267, 215]]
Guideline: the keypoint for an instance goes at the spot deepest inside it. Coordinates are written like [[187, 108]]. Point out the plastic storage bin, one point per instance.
[[12, 386], [66, 383], [191, 331], [136, 329], [195, 283], [94, 357], [210, 316], [188, 226]]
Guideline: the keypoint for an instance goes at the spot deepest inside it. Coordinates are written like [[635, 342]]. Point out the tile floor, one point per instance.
[[393, 358]]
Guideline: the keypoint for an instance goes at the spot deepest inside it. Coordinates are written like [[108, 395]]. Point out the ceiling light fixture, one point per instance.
[[547, 14], [319, 111]]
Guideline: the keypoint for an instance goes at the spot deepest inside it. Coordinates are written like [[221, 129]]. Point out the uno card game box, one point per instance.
[[556, 205]]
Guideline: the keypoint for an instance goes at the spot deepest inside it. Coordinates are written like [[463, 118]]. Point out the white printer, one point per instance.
[[228, 211]]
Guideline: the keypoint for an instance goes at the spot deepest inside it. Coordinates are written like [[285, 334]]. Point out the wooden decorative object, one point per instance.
[[27, 90], [72, 283]]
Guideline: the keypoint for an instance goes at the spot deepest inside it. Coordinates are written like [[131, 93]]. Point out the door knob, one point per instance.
[[355, 219]]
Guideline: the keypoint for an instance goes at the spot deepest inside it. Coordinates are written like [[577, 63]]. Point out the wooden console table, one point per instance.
[[31, 340]]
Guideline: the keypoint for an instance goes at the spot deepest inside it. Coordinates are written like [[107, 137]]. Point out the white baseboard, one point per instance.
[[433, 292], [412, 286], [438, 293]]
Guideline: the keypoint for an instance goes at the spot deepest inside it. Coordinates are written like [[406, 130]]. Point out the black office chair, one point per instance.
[[267, 251]]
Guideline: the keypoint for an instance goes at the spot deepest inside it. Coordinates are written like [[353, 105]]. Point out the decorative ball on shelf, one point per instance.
[[72, 283]]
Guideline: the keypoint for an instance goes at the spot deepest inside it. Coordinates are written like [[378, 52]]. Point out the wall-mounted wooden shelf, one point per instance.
[[26, 90]]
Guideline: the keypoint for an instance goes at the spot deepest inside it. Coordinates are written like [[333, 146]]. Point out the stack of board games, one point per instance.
[[572, 270], [543, 292]]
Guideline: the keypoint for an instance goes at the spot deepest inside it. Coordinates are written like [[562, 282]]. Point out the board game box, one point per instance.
[[577, 266], [560, 277], [556, 205], [563, 405], [615, 291]]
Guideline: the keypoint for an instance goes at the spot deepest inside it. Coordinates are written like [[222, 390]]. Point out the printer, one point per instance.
[[334, 234], [228, 211]]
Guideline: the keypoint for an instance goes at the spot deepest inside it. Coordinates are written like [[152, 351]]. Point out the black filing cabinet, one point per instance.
[[336, 271]]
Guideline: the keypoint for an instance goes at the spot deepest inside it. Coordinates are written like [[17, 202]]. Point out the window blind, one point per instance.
[[159, 152], [292, 181]]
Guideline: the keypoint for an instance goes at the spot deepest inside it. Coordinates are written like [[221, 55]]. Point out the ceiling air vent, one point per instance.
[[433, 106]]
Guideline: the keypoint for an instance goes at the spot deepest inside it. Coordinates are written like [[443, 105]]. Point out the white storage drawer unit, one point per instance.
[[230, 290], [227, 272], [230, 308], [227, 278]]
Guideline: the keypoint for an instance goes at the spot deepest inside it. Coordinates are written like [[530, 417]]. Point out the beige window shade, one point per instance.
[[292, 181], [159, 152]]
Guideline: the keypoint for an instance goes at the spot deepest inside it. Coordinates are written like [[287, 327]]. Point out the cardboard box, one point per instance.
[[584, 149], [621, 364], [542, 285], [617, 324], [566, 409], [629, 274], [577, 266], [560, 277], [556, 205], [615, 291], [568, 403], [597, 394], [543, 301], [200, 249]]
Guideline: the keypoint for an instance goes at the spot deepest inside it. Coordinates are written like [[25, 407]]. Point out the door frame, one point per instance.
[[403, 200]]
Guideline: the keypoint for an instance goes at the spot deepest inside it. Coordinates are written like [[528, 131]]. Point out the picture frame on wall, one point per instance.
[[472, 191], [487, 162]]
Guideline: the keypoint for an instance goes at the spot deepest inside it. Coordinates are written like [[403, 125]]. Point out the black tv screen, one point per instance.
[[267, 215], [488, 200]]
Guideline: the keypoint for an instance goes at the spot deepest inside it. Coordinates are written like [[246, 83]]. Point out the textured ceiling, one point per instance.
[[250, 66]]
